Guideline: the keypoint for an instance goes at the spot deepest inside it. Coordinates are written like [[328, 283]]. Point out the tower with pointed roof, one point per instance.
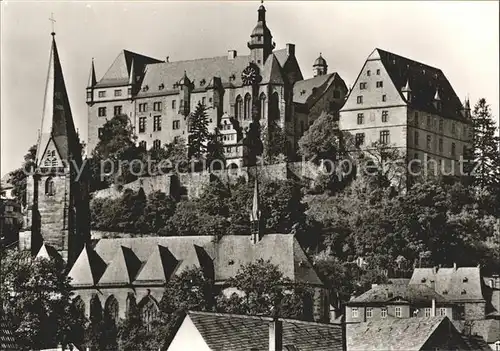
[[261, 43], [320, 67], [57, 194]]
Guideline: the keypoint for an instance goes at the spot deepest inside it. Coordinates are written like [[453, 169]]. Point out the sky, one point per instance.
[[461, 38]]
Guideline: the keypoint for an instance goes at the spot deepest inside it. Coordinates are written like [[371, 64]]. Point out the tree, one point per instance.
[[486, 144], [274, 143], [19, 176], [322, 140], [36, 297], [115, 152], [263, 290], [215, 150], [198, 132]]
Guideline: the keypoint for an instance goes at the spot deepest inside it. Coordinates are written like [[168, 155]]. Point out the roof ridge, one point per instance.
[[196, 59], [409, 59]]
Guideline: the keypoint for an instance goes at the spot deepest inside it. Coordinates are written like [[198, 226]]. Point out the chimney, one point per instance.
[[276, 335], [290, 49], [167, 59], [433, 308], [231, 54], [454, 266]]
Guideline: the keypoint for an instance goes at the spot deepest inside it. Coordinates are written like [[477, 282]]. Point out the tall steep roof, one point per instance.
[[424, 80], [57, 120], [119, 72], [308, 91], [243, 333], [152, 260], [383, 293]]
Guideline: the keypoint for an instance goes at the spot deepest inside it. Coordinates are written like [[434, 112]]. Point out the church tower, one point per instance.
[[57, 193], [261, 41]]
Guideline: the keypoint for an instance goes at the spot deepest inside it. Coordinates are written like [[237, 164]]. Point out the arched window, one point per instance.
[[263, 107], [143, 144], [238, 108], [149, 312], [79, 305], [156, 144], [248, 106], [274, 109], [131, 304], [49, 187], [111, 309], [95, 309]]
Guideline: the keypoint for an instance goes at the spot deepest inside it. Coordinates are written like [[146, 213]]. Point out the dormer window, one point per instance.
[[445, 292], [161, 86], [202, 82], [463, 292], [465, 280], [145, 88], [390, 295], [423, 280]]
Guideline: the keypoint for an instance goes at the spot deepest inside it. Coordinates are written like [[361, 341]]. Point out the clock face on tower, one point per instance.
[[249, 75]]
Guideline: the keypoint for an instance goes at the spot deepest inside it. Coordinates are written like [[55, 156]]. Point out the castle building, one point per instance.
[[159, 96], [57, 195], [409, 105]]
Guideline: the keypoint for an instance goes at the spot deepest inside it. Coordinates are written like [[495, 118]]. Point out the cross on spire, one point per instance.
[[51, 19]]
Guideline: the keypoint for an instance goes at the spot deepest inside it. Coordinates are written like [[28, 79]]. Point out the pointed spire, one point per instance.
[[92, 78], [131, 77], [57, 120]]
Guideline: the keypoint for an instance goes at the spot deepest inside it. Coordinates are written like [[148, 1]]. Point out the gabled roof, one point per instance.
[[159, 266], [282, 56], [153, 259], [454, 284], [424, 81], [243, 333], [394, 334], [119, 72], [308, 91], [57, 120], [234, 251], [48, 252], [87, 269], [7, 340], [272, 71], [122, 269], [384, 293]]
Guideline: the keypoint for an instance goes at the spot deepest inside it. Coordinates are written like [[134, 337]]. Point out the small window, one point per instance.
[[359, 99], [398, 312], [354, 313], [118, 92], [440, 145], [49, 187], [101, 111], [176, 124], [156, 123], [427, 312], [384, 137], [368, 73], [441, 125], [442, 312], [156, 144], [385, 114], [173, 104], [465, 280], [453, 149], [369, 312], [143, 107], [89, 95], [362, 86], [204, 101], [130, 91], [102, 94], [416, 118], [143, 145], [384, 98], [378, 72], [383, 312], [142, 124], [453, 128], [429, 142], [416, 137], [361, 118], [117, 110], [359, 139], [429, 124], [416, 156], [380, 84]]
